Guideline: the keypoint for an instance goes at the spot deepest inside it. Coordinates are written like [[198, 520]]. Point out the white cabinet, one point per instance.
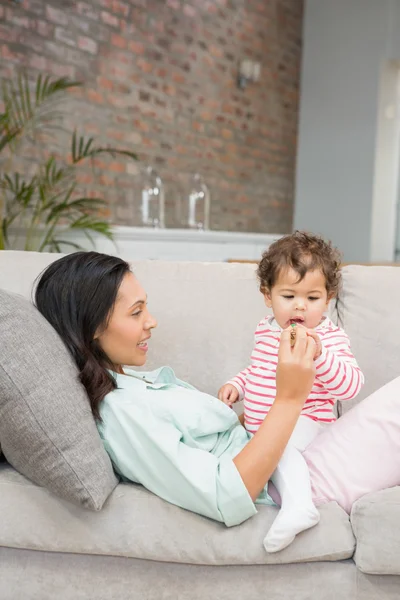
[[138, 243]]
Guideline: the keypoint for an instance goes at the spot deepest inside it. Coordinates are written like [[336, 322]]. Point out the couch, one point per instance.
[[140, 547]]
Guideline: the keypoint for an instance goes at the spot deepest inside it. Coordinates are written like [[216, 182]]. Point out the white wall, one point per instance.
[[347, 45]]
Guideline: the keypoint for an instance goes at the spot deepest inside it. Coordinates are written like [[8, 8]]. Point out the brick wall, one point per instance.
[[160, 78]]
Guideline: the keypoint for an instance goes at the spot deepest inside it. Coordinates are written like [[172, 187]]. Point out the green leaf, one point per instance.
[[25, 113], [82, 149], [47, 87], [88, 222]]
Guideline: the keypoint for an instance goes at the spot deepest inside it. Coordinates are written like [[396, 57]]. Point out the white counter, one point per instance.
[[182, 244]]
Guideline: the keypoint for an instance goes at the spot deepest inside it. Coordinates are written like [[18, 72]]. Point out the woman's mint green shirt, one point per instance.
[[178, 443]]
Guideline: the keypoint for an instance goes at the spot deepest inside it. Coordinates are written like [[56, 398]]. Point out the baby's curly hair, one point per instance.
[[302, 252]]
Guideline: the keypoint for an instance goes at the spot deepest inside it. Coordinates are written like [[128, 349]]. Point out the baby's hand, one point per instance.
[[228, 394], [317, 340], [312, 333]]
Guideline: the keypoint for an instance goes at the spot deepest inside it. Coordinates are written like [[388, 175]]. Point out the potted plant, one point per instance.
[[38, 209]]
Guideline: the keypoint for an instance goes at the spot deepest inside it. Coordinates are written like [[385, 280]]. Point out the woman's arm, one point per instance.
[[294, 379], [149, 450]]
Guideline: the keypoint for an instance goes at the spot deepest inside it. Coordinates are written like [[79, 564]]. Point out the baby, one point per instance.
[[299, 274]]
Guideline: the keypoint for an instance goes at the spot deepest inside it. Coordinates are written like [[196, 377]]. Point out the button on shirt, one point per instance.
[[177, 442]]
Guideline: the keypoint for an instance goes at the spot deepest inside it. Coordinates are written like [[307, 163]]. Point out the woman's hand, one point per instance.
[[295, 372], [228, 394]]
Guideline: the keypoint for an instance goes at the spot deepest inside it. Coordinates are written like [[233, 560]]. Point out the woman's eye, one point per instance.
[[136, 314]]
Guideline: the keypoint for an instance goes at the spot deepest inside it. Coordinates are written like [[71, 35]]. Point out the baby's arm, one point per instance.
[[239, 381], [337, 369], [233, 390]]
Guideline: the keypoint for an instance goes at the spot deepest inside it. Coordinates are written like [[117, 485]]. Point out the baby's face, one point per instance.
[[303, 302]]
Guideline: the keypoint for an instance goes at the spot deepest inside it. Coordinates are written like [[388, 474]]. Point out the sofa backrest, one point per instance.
[[369, 311], [207, 314]]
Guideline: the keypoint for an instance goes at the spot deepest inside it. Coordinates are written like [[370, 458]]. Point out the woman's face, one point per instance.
[[125, 339]]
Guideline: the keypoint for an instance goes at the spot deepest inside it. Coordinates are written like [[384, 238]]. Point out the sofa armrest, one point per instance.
[[375, 520]]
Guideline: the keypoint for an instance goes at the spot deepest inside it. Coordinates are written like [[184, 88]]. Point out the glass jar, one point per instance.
[[152, 199], [198, 210]]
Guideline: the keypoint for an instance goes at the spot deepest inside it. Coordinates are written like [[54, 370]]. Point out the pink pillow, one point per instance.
[[360, 453]]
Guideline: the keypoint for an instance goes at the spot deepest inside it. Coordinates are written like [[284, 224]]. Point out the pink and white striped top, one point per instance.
[[338, 376]]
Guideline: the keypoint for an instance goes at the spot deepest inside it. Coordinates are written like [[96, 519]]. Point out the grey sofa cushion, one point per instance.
[[376, 520], [46, 428], [135, 523]]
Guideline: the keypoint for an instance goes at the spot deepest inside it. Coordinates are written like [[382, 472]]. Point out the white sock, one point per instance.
[[298, 513], [287, 525]]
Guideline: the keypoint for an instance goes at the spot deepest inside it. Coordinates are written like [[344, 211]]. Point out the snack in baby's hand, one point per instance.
[[293, 336]]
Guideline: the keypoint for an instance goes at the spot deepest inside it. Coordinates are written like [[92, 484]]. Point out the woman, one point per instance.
[[185, 446]]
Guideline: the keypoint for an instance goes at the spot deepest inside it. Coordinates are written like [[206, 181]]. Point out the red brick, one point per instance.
[[8, 54], [178, 78], [105, 213], [136, 47], [106, 180], [99, 164], [118, 41], [215, 51], [92, 128], [109, 19], [227, 134], [56, 16], [105, 83], [61, 70], [17, 20], [64, 36], [116, 135], [38, 62], [117, 72], [211, 8], [144, 66], [148, 142], [43, 28], [141, 125], [189, 11], [117, 7], [85, 10], [117, 167], [95, 96], [84, 178], [7, 34], [198, 126], [87, 44]]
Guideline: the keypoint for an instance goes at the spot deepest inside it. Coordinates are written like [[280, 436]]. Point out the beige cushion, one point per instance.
[[376, 520], [135, 523], [47, 431], [368, 312]]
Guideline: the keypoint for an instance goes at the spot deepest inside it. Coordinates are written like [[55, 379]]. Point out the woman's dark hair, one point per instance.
[[302, 252], [76, 294]]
